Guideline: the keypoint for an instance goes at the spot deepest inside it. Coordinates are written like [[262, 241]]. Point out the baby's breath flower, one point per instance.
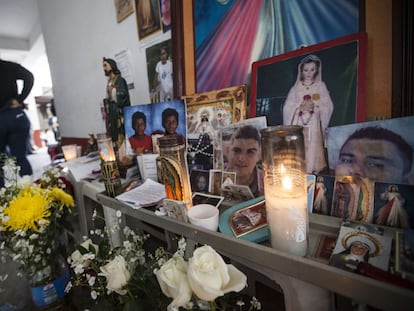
[[94, 295], [256, 303], [68, 287], [94, 214], [91, 280], [78, 269]]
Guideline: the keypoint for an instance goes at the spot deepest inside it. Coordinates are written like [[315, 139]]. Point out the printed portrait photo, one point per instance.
[[200, 180], [380, 150], [242, 153], [144, 122]]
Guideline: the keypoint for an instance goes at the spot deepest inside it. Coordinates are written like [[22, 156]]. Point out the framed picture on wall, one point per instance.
[[338, 81], [148, 17], [160, 71], [207, 114], [123, 9]]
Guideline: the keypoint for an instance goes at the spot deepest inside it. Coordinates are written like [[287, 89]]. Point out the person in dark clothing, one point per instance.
[[14, 123]]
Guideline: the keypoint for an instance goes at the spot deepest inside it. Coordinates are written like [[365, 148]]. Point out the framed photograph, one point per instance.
[[123, 9], [200, 180], [248, 219], [337, 87], [160, 71], [207, 113], [148, 17], [204, 198]]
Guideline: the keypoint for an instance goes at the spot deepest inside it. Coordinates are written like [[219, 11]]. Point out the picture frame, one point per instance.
[[343, 71], [148, 17], [207, 113], [123, 9], [152, 54]]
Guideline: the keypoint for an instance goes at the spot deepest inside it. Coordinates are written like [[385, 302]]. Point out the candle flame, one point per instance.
[[287, 182]]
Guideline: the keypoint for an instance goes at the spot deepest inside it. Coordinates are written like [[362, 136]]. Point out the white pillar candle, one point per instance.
[[285, 188], [287, 219]]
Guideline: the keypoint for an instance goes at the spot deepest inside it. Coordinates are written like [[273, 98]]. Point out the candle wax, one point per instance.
[[287, 219]]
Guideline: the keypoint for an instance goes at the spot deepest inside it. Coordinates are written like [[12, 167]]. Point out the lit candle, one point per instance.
[[287, 217], [285, 188]]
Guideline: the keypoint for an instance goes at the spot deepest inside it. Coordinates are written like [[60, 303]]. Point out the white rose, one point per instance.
[[172, 277], [210, 277], [117, 275], [78, 259]]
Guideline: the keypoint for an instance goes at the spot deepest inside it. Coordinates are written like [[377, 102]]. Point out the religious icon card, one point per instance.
[[360, 243], [353, 198], [248, 219]]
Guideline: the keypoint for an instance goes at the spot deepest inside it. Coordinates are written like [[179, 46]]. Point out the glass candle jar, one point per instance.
[[285, 188], [172, 169]]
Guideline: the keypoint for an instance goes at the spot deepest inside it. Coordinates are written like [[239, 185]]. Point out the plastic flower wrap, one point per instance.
[[32, 216]]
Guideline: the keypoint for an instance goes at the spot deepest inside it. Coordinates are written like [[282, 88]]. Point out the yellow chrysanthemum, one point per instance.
[[26, 211], [58, 194]]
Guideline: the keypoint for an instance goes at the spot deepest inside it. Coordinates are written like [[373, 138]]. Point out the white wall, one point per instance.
[[37, 62], [77, 35]]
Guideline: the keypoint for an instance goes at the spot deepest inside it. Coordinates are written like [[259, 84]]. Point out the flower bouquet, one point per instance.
[[32, 221], [114, 278], [131, 277]]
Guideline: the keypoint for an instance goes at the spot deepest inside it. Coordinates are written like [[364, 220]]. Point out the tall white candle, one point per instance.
[[283, 151], [287, 220]]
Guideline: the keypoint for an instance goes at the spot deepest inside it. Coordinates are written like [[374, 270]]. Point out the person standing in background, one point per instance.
[[117, 97], [14, 123]]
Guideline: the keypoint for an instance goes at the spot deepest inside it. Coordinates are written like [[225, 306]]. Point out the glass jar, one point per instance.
[[285, 188], [172, 169]]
